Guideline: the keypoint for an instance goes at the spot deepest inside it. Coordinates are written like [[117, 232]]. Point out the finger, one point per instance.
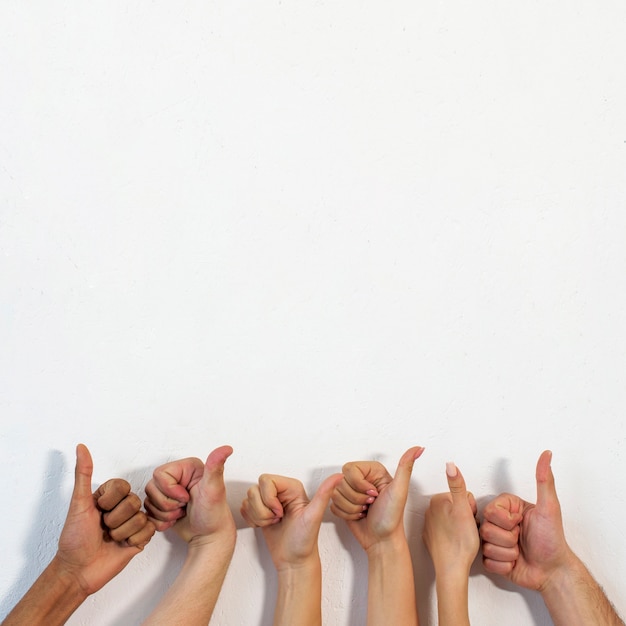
[[319, 503], [456, 483], [504, 568], [131, 526], [505, 511], [248, 514], [494, 534], [158, 501], [347, 515], [278, 492], [163, 519], [254, 510], [175, 479], [402, 477], [141, 538], [500, 553], [472, 502], [349, 508], [216, 460], [111, 493], [213, 477], [366, 476], [124, 511], [82, 472], [355, 498], [546, 489]]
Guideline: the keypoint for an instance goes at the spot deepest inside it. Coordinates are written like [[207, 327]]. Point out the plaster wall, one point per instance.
[[319, 232]]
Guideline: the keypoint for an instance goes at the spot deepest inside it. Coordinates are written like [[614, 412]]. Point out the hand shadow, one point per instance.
[[43, 535], [355, 569]]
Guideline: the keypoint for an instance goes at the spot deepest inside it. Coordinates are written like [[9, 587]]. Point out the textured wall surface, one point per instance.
[[319, 232]]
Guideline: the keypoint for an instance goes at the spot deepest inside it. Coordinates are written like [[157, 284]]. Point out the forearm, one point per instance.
[[391, 587], [192, 596], [452, 597], [299, 596], [574, 598], [53, 597]]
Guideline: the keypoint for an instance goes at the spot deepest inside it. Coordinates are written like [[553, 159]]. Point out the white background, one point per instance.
[[319, 232]]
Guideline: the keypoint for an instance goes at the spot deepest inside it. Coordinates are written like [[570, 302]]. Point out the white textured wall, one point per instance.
[[317, 231]]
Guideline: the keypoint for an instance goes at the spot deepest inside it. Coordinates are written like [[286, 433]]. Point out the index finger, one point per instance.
[[175, 479], [278, 492], [111, 493], [505, 511], [366, 476]]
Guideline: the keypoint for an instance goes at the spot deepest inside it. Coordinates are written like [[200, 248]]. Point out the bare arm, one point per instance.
[[53, 597], [290, 524], [191, 496], [372, 503], [574, 598], [451, 536]]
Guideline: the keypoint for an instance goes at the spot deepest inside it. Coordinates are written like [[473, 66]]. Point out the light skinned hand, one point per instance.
[[191, 496], [371, 501], [104, 530], [450, 530], [290, 521], [525, 542]]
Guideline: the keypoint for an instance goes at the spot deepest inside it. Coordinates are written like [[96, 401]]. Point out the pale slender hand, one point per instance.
[[451, 536], [371, 501], [290, 521], [450, 528]]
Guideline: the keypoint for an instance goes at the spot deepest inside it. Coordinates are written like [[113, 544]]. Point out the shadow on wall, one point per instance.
[[43, 535], [536, 608], [355, 567]]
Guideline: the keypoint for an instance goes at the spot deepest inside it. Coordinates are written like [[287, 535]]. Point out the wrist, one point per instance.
[[52, 598], [68, 577], [560, 580], [222, 540], [310, 565], [392, 544], [452, 581], [453, 569]]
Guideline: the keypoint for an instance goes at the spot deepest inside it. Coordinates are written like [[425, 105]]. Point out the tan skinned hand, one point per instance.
[[93, 554]]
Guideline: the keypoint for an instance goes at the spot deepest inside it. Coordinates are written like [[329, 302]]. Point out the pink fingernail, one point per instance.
[[371, 492], [451, 469]]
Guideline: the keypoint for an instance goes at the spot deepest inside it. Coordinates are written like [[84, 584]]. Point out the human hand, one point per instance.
[[450, 531], [103, 531], [371, 501], [191, 496], [522, 541], [290, 521]]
